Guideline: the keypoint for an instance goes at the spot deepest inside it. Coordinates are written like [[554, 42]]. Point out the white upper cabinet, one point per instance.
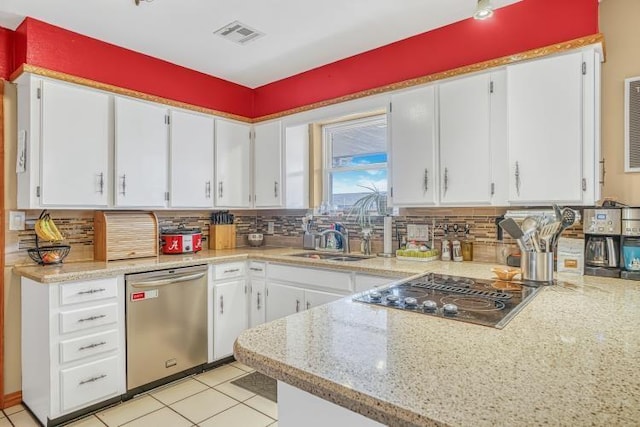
[[191, 160], [545, 107], [465, 140], [413, 148], [296, 167], [267, 165], [75, 146], [233, 165], [64, 137], [141, 155]]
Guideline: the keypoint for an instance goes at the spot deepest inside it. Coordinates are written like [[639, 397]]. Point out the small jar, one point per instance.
[[467, 250]]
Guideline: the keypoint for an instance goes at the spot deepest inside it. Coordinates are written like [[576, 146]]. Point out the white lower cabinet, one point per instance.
[[228, 305], [293, 289], [257, 293], [73, 345], [283, 300]]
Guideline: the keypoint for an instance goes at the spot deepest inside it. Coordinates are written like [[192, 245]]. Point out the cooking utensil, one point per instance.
[[548, 232], [568, 217], [514, 230], [530, 229]]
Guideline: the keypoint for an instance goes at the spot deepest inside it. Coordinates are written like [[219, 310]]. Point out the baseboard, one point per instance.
[[12, 399]]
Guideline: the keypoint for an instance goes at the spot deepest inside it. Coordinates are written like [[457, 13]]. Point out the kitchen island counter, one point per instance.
[[570, 357]]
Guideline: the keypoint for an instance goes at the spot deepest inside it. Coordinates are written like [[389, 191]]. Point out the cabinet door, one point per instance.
[[257, 311], [233, 163], [142, 151], [191, 160], [544, 101], [297, 167], [75, 146], [413, 148], [230, 316], [465, 150], [318, 298], [267, 161], [283, 300]]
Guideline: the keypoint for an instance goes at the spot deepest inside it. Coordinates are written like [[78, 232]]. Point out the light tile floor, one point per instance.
[[208, 400]]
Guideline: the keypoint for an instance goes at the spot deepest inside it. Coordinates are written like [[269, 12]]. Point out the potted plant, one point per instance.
[[371, 204]]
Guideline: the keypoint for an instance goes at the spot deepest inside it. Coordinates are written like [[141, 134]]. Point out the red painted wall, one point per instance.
[[525, 25], [61, 50], [6, 53], [516, 28]]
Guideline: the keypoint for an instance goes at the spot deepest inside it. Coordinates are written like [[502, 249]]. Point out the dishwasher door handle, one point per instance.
[[170, 280]]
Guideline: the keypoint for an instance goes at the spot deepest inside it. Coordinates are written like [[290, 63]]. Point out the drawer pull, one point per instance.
[[94, 345], [91, 291], [255, 269], [233, 270], [88, 319], [93, 379]]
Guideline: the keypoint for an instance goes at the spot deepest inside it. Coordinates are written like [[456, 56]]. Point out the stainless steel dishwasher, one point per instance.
[[166, 323]]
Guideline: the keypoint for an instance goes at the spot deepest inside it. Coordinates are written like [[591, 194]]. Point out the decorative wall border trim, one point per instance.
[[26, 68], [480, 66], [473, 68]]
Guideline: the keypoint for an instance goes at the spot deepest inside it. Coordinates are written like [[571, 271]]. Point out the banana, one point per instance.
[[54, 229], [43, 231]]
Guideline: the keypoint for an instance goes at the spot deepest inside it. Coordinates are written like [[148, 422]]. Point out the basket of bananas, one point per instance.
[[46, 230]]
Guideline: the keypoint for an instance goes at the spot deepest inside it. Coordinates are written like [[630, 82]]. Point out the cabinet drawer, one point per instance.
[[90, 345], [227, 271], [77, 320], [311, 276], [85, 384], [71, 293], [257, 269]]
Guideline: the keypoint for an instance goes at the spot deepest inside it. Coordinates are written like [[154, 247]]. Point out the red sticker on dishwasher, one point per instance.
[[137, 296]]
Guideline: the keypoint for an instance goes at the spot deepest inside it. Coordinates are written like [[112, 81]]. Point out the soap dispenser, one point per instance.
[[446, 249], [456, 248]]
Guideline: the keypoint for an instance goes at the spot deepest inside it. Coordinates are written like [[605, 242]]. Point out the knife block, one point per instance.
[[222, 236]]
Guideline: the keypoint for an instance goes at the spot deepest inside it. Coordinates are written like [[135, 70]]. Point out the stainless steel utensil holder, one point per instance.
[[537, 266]]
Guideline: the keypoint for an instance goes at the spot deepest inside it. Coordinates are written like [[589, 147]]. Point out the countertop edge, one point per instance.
[[376, 409]]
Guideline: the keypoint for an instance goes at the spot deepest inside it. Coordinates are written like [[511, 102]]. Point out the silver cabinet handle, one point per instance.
[[308, 305], [91, 318], [92, 379], [221, 304], [446, 181], [275, 189], [233, 270], [255, 269], [94, 345], [207, 189], [297, 306], [124, 185], [101, 182], [258, 301], [220, 190], [425, 183], [91, 291], [517, 176]]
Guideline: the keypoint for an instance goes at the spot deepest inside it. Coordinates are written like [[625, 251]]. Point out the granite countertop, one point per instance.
[[570, 357], [97, 269]]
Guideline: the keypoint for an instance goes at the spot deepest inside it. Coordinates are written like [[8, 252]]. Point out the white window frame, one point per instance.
[[327, 167]]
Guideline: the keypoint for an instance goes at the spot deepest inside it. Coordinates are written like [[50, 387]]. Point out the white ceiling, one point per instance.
[[300, 34]]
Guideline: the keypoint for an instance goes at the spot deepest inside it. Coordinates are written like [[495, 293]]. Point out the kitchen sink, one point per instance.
[[329, 257]]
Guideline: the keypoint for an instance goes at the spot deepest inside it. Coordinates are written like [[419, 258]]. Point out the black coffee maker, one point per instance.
[[602, 229]]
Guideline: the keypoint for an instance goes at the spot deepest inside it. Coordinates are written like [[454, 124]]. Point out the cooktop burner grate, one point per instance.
[[463, 291]]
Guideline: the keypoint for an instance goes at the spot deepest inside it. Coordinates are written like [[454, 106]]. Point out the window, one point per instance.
[[355, 158]]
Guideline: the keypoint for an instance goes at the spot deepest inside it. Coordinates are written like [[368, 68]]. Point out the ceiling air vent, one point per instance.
[[238, 32]]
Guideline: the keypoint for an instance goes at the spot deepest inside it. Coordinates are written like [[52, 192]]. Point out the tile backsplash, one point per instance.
[[77, 226]]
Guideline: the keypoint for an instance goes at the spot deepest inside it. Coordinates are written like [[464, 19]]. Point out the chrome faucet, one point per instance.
[[344, 235]]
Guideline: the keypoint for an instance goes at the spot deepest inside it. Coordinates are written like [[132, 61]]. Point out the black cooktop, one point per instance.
[[483, 302]]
